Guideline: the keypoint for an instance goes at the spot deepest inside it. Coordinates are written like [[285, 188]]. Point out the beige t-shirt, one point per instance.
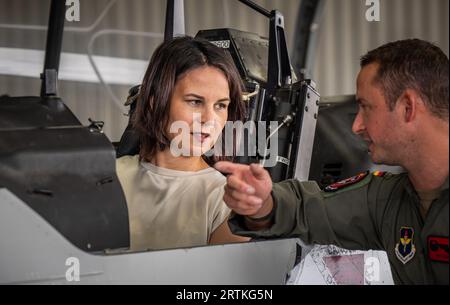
[[169, 208]]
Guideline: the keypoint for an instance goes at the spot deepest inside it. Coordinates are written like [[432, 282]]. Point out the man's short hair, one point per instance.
[[412, 64]]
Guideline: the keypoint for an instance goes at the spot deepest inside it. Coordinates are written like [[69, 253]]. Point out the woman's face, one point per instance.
[[198, 110]]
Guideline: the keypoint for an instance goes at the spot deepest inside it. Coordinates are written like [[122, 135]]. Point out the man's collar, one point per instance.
[[410, 188], [412, 191], [445, 185]]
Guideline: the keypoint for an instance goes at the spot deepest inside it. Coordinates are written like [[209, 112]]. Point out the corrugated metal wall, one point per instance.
[[89, 100], [344, 35]]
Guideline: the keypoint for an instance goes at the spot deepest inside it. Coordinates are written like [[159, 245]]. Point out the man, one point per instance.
[[402, 92]]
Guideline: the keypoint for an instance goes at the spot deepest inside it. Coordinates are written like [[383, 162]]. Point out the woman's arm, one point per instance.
[[223, 235]]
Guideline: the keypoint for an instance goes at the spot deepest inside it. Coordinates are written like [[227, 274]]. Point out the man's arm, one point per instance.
[[265, 218], [301, 210]]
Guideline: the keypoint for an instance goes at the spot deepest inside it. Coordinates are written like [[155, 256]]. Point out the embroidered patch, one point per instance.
[[438, 249], [346, 182], [379, 174], [405, 249]]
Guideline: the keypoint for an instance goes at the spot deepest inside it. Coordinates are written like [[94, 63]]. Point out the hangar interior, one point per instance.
[[103, 55]]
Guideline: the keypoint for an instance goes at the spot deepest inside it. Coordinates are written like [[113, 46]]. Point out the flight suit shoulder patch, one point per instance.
[[379, 173], [344, 184], [438, 249]]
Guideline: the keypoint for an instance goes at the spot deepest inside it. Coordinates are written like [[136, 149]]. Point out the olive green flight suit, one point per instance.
[[374, 213]]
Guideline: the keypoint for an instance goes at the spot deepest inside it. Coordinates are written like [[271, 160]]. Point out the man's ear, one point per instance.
[[409, 103]]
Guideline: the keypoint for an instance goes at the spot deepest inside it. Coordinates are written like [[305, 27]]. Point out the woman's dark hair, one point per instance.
[[169, 62]]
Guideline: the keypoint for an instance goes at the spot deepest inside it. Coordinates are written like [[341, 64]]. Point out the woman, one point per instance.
[[174, 197]]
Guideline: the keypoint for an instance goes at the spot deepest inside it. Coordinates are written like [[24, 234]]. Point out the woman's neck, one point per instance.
[[165, 159]]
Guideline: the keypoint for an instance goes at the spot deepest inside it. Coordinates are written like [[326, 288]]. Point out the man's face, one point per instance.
[[375, 123]]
